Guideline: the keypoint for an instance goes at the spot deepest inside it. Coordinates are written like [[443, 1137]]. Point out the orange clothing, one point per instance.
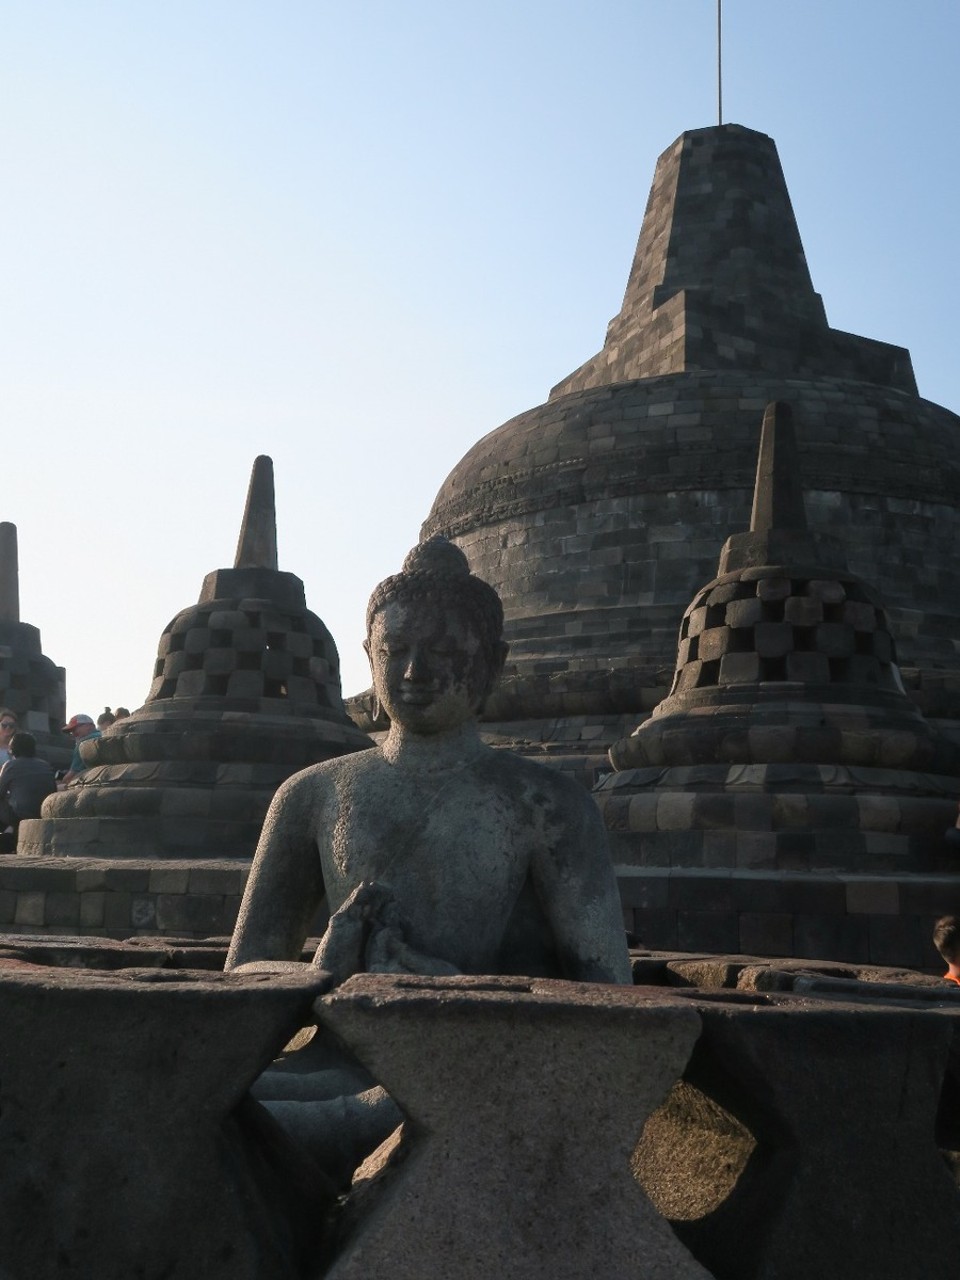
[[948, 977]]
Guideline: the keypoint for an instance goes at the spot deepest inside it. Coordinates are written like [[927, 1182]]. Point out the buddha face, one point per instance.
[[429, 667]]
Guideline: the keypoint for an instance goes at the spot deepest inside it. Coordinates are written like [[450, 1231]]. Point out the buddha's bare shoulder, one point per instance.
[[326, 776], [539, 782]]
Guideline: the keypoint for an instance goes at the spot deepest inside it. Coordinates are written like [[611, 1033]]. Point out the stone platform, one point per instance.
[[121, 897], [830, 915]]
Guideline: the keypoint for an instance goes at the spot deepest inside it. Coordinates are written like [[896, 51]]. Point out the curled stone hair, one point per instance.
[[436, 572]]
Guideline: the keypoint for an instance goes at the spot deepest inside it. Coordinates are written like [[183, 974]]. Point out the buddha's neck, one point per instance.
[[450, 749]]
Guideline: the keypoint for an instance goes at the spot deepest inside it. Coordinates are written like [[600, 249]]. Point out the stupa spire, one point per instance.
[[779, 534], [257, 544], [9, 574], [777, 495], [720, 281]]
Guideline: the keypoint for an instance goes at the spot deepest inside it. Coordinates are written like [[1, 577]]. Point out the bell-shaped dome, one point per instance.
[[245, 692]]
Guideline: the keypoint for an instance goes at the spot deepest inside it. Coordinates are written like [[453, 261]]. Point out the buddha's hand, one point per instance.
[[387, 950], [342, 948]]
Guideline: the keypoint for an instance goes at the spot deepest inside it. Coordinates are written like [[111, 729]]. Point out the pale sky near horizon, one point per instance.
[[358, 237]]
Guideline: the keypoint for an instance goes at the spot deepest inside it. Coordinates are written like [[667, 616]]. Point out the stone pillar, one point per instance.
[[518, 1132]]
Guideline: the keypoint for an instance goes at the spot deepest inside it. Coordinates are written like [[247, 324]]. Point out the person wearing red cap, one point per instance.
[[82, 729]]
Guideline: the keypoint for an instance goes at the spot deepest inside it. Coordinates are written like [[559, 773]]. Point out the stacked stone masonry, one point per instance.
[[597, 517], [247, 649]]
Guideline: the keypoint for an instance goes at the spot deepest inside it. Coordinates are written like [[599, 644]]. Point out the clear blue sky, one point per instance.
[[358, 236]]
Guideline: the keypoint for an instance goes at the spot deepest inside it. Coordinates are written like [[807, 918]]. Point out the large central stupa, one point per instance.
[[598, 514]]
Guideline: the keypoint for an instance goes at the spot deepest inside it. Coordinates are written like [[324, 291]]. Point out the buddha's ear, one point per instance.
[[497, 659], [501, 657], [366, 650]]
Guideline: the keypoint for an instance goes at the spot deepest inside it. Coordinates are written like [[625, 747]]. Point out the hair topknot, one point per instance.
[[437, 555], [436, 571]]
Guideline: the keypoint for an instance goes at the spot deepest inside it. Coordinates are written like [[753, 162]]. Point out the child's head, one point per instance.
[[946, 938], [23, 744]]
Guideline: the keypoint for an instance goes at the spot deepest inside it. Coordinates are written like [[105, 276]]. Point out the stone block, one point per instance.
[[642, 812], [808, 667], [789, 811], [143, 912], [169, 879], [62, 909], [30, 908], [832, 937], [192, 914], [860, 615], [826, 590], [756, 850], [770, 589], [714, 643], [657, 928], [895, 940], [803, 611], [753, 812], [714, 810], [707, 931], [873, 897], [701, 892], [744, 613], [766, 933], [8, 906], [696, 621], [772, 744], [217, 880], [719, 849], [92, 908], [184, 1198], [675, 810], [117, 910], [646, 891], [739, 668], [485, 1136], [805, 1147]]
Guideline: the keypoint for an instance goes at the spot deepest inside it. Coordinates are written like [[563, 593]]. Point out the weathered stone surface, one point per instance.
[[521, 1131], [838, 1173], [435, 853], [31, 685], [119, 1153], [596, 514], [246, 691]]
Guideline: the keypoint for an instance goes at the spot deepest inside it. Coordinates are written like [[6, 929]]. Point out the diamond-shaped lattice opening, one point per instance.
[[690, 1155], [332, 1109]]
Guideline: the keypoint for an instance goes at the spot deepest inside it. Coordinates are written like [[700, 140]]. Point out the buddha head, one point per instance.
[[434, 640]]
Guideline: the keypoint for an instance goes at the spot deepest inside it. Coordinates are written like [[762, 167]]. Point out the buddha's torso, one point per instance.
[[455, 845]]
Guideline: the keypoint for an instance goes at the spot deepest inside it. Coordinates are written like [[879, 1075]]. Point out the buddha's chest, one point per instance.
[[452, 839]]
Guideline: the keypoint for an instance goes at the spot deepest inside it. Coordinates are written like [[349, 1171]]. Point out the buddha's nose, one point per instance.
[[415, 669]]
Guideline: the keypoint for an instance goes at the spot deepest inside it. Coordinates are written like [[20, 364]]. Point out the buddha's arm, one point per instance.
[[286, 881], [577, 888]]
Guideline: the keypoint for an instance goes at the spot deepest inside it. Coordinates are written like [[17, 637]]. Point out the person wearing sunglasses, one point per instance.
[[8, 727]]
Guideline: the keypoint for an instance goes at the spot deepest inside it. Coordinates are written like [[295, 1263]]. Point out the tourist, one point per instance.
[[8, 727], [105, 719], [82, 729], [25, 782], [946, 938], [120, 713]]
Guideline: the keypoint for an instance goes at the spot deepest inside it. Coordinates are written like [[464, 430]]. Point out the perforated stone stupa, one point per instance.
[[597, 515], [245, 692], [31, 684], [786, 748]]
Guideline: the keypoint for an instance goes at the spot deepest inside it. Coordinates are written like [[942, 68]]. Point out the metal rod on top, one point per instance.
[[719, 63]]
